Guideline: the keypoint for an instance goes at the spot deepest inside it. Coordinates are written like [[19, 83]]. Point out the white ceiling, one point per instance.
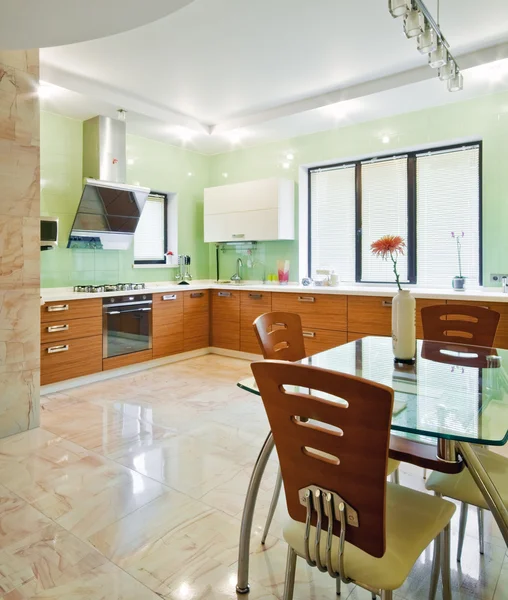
[[41, 23], [219, 73]]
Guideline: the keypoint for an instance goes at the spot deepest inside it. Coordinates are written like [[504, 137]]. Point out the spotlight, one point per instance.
[[447, 71], [456, 83], [439, 57], [414, 23], [399, 8], [427, 41]]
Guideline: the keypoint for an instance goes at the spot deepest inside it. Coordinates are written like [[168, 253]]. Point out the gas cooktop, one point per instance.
[[116, 287]]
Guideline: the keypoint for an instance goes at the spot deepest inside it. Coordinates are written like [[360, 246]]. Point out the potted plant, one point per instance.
[[459, 281], [403, 305]]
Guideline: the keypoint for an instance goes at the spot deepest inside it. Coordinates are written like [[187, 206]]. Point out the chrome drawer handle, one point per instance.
[[256, 296], [197, 294], [224, 294], [55, 328], [58, 307], [169, 297], [238, 235], [387, 303], [56, 349], [309, 334], [306, 299]]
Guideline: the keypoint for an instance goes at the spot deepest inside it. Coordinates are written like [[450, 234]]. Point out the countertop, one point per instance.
[[477, 294]]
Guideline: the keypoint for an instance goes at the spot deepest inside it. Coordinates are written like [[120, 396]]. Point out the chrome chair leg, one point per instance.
[[425, 473], [273, 506], [395, 477], [386, 595], [337, 586], [436, 568], [481, 533], [445, 564], [289, 582], [464, 508]]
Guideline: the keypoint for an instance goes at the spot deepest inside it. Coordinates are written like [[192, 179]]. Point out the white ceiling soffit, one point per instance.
[[43, 23]]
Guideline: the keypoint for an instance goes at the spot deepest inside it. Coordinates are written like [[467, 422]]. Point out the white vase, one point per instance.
[[404, 326]]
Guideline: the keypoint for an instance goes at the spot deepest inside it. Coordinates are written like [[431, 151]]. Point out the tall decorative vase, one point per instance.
[[404, 327]]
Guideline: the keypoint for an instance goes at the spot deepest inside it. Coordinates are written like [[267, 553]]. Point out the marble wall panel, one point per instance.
[[19, 242]]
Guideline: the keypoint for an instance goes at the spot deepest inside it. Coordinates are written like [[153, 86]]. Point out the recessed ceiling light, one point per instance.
[[130, 161], [385, 139], [189, 174], [290, 156], [286, 165], [225, 175]]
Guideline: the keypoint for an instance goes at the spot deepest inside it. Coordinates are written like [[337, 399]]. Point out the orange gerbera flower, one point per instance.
[[388, 245]]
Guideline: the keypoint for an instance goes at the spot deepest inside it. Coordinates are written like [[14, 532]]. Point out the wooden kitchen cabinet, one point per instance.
[[71, 339], [226, 319], [501, 339], [319, 340], [317, 311], [372, 315], [196, 320], [252, 304], [167, 324]]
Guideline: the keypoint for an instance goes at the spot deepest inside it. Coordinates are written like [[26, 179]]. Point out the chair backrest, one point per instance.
[[462, 324], [342, 448], [280, 336]]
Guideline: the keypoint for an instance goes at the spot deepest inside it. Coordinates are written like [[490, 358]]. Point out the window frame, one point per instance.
[[412, 225], [162, 261]]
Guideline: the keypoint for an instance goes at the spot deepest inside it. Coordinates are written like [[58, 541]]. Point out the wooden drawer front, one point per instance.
[[196, 320], [73, 358], [318, 340], [252, 304], [352, 336], [61, 330], [71, 309], [318, 311], [196, 301], [421, 303], [371, 315], [167, 324], [501, 339], [226, 319]]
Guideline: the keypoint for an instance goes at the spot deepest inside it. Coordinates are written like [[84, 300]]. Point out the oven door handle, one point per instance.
[[122, 312], [145, 302]]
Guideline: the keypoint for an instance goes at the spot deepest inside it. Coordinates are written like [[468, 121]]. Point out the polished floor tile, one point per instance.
[[133, 489]]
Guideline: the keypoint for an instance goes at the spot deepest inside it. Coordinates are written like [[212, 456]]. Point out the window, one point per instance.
[[422, 196], [150, 239]]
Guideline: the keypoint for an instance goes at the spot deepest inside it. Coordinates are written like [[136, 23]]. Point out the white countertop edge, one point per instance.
[[479, 294]]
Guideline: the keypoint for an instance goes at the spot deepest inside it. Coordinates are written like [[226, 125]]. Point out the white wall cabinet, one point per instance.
[[250, 211]]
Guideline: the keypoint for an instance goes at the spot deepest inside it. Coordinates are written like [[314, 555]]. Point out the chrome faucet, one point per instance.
[[504, 281], [236, 278]]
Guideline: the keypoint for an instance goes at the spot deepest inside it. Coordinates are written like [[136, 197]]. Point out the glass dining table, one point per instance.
[[454, 396]]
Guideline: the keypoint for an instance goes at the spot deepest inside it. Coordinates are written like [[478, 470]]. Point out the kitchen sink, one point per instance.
[[229, 282]]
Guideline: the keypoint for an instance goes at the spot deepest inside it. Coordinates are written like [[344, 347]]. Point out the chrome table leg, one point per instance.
[[487, 488], [242, 585], [289, 582], [445, 563], [481, 533], [436, 568], [273, 506]]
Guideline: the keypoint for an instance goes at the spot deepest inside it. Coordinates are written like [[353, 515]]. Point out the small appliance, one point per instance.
[[49, 233]]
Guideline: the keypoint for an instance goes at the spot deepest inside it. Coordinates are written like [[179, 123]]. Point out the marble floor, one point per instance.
[[132, 489]]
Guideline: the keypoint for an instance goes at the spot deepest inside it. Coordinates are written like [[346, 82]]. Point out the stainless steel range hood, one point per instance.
[[109, 209]]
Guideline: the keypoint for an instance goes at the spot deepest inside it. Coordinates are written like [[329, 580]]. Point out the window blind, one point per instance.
[[384, 212], [448, 188], [332, 221], [149, 236]]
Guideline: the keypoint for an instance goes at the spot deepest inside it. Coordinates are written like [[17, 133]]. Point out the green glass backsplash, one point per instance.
[[158, 166], [165, 168]]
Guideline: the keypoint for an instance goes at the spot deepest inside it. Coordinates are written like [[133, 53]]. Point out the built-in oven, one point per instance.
[[127, 324]]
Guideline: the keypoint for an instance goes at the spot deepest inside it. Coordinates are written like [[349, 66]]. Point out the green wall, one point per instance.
[[159, 166], [485, 118], [164, 168]]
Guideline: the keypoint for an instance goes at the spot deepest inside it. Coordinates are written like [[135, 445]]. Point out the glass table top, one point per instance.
[[452, 391]]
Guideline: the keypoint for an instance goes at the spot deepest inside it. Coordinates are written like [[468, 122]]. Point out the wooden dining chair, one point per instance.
[[473, 326], [460, 323], [280, 337], [332, 435]]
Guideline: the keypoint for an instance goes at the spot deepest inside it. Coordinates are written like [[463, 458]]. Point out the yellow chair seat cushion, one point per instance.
[[462, 486], [392, 466], [413, 520]]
